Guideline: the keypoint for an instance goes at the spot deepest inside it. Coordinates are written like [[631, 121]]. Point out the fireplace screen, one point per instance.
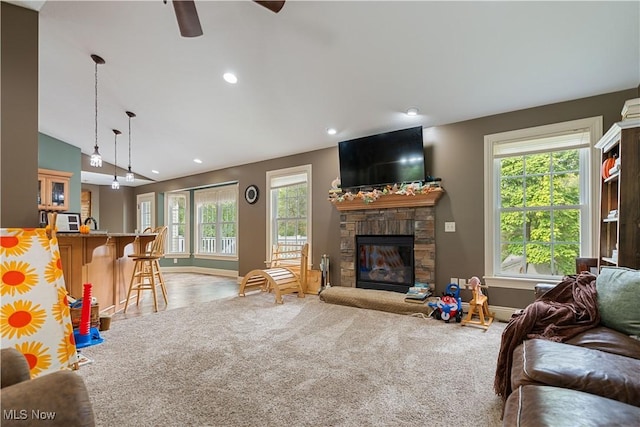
[[385, 262]]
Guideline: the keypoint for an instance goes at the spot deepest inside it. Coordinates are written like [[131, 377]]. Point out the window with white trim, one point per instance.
[[216, 222], [145, 211], [289, 207], [539, 199], [177, 221]]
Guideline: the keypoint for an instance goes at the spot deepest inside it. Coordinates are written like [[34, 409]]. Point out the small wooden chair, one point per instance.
[[478, 306], [280, 280], [146, 270]]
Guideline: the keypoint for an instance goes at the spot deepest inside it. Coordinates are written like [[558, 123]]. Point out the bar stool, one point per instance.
[[146, 270]]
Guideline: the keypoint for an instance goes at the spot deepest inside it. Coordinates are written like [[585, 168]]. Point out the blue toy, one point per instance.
[[449, 305]]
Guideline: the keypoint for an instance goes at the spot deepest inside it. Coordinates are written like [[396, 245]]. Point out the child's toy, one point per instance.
[[478, 306], [449, 305]]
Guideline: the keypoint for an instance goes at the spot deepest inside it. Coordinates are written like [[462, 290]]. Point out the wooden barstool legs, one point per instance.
[[146, 276]]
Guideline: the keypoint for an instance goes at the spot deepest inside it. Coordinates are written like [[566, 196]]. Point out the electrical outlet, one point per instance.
[[453, 280], [175, 260], [450, 227], [462, 283]]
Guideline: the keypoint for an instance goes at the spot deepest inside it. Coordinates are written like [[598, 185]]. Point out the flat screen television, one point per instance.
[[386, 158]]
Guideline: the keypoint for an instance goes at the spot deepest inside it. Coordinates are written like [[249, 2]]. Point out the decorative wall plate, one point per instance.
[[251, 194]]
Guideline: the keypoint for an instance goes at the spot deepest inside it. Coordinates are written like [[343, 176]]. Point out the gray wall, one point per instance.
[[458, 151], [454, 152], [19, 122], [58, 155]]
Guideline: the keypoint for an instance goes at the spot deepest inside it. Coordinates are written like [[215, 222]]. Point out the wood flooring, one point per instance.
[[183, 289]]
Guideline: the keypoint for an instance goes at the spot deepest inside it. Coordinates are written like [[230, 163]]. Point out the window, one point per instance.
[[176, 219], [146, 207], [289, 207], [538, 199], [216, 220]]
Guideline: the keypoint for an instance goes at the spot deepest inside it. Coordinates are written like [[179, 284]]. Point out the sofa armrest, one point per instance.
[[61, 398], [541, 288], [14, 367]]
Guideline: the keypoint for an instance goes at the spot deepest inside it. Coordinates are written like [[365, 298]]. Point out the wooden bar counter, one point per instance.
[[102, 260]]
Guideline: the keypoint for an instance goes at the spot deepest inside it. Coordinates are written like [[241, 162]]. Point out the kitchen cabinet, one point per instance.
[[53, 190]]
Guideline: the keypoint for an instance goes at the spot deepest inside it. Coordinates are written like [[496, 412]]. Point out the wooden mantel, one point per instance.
[[392, 201]]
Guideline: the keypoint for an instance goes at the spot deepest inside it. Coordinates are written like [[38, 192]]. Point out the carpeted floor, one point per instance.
[[249, 362]]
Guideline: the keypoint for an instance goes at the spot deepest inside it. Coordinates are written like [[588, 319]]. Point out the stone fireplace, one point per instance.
[[412, 216]]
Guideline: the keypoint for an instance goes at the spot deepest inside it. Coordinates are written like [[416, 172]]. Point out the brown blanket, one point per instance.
[[561, 313]]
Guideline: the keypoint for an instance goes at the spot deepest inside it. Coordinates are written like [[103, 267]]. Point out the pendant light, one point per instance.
[[130, 176], [96, 158], [115, 184]]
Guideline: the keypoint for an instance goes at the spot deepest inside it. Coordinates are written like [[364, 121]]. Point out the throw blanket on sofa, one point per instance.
[[561, 313]]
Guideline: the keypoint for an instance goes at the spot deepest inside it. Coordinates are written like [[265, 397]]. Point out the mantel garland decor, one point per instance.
[[337, 196]]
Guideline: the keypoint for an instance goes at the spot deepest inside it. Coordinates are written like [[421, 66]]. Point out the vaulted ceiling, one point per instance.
[[353, 66]]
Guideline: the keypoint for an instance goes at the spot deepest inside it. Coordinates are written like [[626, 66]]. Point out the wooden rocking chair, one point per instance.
[[479, 306], [280, 280]]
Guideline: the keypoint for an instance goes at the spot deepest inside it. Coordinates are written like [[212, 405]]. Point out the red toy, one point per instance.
[[449, 305]]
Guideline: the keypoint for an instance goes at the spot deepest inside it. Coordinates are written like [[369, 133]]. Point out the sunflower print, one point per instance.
[[14, 243], [61, 311], [17, 276], [67, 346], [38, 357], [21, 319], [53, 270], [53, 242]]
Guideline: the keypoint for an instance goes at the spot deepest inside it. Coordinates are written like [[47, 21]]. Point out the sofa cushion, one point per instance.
[[543, 362], [619, 299], [544, 406], [609, 340]]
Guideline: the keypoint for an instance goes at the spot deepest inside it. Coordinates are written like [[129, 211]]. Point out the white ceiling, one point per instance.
[[356, 66]]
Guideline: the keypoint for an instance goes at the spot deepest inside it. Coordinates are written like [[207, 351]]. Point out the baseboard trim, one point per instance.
[[502, 314], [201, 270]]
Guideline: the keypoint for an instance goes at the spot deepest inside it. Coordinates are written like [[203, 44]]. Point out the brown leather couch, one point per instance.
[[56, 399], [591, 379]]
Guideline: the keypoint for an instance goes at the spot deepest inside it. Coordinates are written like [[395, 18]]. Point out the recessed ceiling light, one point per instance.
[[332, 131], [197, 160], [412, 112], [154, 171], [230, 78]]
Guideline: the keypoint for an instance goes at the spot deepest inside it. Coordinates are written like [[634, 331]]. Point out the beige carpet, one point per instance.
[[249, 362]]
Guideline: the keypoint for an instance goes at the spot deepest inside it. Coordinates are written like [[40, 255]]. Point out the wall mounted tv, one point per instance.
[[386, 158]]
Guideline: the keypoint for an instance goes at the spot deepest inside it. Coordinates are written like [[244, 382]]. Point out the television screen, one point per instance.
[[386, 158]]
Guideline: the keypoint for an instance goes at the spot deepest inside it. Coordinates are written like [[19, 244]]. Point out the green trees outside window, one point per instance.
[[539, 197]]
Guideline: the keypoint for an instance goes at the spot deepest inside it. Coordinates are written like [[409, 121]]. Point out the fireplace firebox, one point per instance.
[[385, 262]]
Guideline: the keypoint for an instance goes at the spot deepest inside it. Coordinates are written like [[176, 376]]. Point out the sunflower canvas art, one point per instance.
[[34, 311]]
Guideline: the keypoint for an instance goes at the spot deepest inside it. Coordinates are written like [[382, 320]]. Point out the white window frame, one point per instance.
[[144, 199], [589, 216], [170, 225], [281, 175], [196, 221]]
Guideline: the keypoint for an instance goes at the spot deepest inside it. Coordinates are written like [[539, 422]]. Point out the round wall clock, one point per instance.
[[251, 194]]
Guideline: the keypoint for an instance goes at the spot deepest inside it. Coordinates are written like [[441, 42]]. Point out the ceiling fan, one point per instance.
[[188, 20]]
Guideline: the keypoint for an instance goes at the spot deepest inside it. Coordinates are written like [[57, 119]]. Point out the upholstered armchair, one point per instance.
[[60, 397]]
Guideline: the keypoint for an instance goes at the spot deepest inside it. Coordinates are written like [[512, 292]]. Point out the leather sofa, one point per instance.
[[590, 379], [56, 399]]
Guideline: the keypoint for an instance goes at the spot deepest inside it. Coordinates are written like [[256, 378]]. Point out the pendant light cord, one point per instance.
[[129, 143], [115, 155], [96, 104]]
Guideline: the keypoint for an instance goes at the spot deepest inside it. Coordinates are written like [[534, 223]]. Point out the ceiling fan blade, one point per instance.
[[187, 17], [273, 6]]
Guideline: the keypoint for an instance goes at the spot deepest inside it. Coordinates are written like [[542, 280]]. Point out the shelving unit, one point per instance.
[[620, 192]]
